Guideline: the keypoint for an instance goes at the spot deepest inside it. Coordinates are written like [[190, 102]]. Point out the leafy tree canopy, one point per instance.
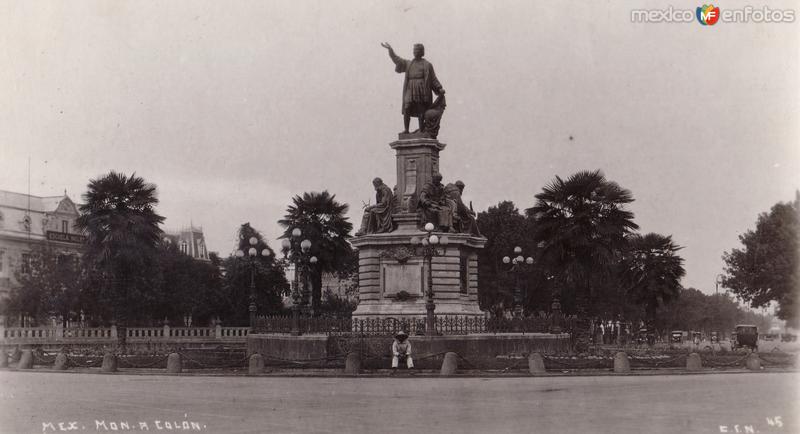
[[765, 268]]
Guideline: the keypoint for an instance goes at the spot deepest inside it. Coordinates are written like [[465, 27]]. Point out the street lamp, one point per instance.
[[427, 249], [298, 253], [717, 282], [519, 264], [253, 253]]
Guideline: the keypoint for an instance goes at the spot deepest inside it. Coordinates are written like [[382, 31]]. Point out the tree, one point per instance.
[[49, 286], [322, 221], [581, 223], [696, 311], [766, 269], [122, 228], [336, 306], [270, 280], [188, 287], [653, 273], [504, 228]]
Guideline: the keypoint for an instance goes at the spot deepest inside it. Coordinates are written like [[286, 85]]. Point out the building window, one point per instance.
[[2, 260], [2, 219], [184, 247], [25, 267], [65, 226]]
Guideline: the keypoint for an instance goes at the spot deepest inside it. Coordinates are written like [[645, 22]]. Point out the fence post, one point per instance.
[[218, 331], [166, 330], [113, 330]]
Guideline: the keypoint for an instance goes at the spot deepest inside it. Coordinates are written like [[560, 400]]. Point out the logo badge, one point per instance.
[[707, 15]]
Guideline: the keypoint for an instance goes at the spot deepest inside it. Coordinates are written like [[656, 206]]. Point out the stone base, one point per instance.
[[483, 351], [393, 275], [415, 135]]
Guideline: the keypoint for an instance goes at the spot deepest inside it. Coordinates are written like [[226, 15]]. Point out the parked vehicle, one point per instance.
[[676, 337], [746, 337]]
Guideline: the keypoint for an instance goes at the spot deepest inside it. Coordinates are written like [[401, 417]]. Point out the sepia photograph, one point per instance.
[[399, 216]]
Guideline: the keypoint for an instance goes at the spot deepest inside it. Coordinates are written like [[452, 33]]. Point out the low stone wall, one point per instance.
[[484, 351]]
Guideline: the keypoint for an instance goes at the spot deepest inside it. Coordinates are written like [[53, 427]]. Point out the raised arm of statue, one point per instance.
[[401, 65]]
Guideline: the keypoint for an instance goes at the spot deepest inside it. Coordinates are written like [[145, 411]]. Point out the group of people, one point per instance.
[[610, 332]]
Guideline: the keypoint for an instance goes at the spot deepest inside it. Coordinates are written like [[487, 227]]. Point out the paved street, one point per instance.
[[33, 402]]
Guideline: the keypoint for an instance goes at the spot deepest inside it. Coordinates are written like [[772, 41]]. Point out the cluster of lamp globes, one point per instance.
[[430, 239], [252, 251], [305, 245], [518, 259]]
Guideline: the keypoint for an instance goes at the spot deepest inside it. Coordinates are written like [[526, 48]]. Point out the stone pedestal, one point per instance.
[[393, 274], [417, 161]]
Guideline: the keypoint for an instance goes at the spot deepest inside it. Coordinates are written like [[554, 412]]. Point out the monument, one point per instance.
[[418, 250], [396, 279]]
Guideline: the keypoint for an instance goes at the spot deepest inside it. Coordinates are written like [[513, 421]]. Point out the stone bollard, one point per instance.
[[449, 364], [753, 363], [3, 359], [256, 365], [693, 362], [109, 363], [174, 363], [621, 363], [352, 364], [61, 362], [536, 364], [25, 360]]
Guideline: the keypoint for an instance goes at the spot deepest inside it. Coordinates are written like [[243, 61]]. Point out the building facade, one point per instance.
[[28, 221], [189, 241]]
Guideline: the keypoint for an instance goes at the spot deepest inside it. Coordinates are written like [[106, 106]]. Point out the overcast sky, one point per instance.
[[230, 108]]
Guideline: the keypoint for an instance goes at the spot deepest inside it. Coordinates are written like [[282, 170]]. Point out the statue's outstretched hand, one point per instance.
[[386, 46]]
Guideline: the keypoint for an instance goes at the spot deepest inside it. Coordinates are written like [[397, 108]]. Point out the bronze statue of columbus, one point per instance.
[[419, 82]]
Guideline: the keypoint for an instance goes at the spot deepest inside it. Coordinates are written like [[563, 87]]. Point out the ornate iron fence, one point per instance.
[[446, 325]]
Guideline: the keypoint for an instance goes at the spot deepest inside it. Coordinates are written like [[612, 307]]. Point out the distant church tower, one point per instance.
[[190, 241]]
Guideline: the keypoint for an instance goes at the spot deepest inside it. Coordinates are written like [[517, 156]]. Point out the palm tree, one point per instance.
[[653, 273], [322, 221], [122, 229], [580, 226]]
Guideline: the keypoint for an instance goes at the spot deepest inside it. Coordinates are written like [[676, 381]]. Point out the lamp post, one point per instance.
[[427, 249], [717, 283], [519, 264], [253, 253], [298, 253]]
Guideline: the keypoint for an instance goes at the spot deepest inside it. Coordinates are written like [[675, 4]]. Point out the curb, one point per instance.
[[430, 373]]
